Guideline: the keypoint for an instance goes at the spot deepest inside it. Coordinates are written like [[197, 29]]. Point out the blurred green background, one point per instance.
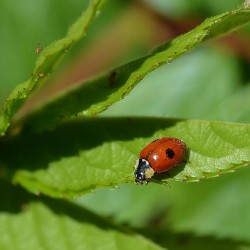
[[211, 82]]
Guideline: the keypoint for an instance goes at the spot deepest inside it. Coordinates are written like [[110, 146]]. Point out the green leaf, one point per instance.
[[237, 104], [204, 84], [97, 94], [199, 210], [29, 222], [48, 59], [207, 210], [82, 155], [3, 124], [137, 70]]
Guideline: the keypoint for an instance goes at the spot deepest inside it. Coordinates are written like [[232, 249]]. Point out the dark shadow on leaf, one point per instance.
[[16, 200], [36, 150], [189, 241]]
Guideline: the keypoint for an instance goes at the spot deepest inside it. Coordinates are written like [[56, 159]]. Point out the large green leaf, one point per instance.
[[207, 208], [85, 154], [97, 94], [47, 60], [28, 222]]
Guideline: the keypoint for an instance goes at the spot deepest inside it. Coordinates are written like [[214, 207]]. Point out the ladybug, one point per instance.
[[159, 156]]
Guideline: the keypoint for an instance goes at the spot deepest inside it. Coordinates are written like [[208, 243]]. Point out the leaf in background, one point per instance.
[[135, 71], [237, 104], [48, 59], [218, 208], [31, 223], [96, 95], [82, 155], [196, 86]]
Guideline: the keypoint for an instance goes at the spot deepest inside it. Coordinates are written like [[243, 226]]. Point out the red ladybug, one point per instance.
[[159, 156]]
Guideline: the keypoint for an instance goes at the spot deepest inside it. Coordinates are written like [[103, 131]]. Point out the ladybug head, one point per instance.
[[143, 171]]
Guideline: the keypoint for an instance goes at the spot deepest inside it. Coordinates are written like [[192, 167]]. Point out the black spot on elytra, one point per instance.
[[170, 153]]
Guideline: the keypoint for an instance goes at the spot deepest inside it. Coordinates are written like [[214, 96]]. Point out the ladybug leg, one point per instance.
[[166, 185], [167, 174]]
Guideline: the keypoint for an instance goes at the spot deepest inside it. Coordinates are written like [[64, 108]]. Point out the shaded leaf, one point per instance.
[[189, 241], [85, 154], [29, 222], [217, 208]]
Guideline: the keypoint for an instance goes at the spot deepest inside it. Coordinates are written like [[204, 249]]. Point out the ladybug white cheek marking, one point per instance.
[[149, 172]]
